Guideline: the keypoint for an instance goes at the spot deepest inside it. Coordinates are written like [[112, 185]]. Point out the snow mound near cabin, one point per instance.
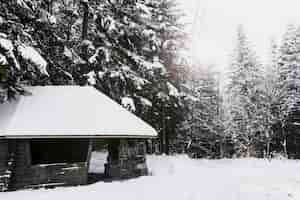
[[180, 178]]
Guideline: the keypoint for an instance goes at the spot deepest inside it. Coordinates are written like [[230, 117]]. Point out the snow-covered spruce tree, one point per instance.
[[52, 30], [166, 18], [272, 96], [287, 84], [244, 96], [47, 44], [190, 100], [22, 60], [124, 61], [202, 123]]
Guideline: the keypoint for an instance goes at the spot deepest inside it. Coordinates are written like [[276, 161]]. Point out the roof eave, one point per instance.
[[79, 136]]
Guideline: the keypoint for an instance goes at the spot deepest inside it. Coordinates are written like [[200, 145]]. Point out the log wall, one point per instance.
[[25, 175]]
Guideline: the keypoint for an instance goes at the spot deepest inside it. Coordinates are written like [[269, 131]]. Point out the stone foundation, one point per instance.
[[126, 159]]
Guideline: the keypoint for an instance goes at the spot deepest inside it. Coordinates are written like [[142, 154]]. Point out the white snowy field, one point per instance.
[[180, 178]]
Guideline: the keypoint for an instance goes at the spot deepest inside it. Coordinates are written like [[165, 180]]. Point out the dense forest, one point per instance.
[[132, 50]]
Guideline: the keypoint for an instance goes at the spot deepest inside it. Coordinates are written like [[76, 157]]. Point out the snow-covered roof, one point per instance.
[[69, 111]]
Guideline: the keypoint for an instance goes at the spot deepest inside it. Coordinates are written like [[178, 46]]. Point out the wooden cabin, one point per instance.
[[46, 137]]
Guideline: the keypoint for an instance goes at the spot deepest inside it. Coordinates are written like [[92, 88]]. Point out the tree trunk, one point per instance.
[[69, 32], [268, 142], [50, 7], [85, 19], [284, 141], [167, 145], [248, 152], [248, 146], [268, 148], [285, 147], [85, 22], [163, 138]]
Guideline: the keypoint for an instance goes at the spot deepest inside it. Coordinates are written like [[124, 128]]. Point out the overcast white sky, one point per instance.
[[215, 30]]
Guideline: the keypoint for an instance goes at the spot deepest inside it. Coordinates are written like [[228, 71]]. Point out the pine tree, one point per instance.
[[167, 18], [169, 44], [202, 123], [271, 96], [288, 81], [209, 115], [244, 96], [22, 60]]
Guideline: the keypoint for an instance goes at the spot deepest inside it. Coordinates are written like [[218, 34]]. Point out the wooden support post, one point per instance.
[[11, 164], [89, 154]]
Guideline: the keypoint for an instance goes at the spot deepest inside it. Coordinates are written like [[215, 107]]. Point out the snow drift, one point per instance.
[[180, 178]]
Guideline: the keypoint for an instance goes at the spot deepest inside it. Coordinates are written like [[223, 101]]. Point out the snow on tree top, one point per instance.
[[6, 44], [145, 102], [100, 52], [172, 90], [128, 103], [91, 78], [30, 54], [52, 19], [69, 111], [149, 33], [146, 10], [3, 60], [23, 3], [7, 47], [192, 98]]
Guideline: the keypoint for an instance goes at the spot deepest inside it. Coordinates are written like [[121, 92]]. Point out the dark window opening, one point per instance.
[[52, 151]]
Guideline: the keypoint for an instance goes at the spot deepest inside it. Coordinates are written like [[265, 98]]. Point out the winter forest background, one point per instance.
[[137, 52]]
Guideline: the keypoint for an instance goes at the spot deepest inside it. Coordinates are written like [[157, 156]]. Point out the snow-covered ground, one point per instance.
[[180, 178]]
